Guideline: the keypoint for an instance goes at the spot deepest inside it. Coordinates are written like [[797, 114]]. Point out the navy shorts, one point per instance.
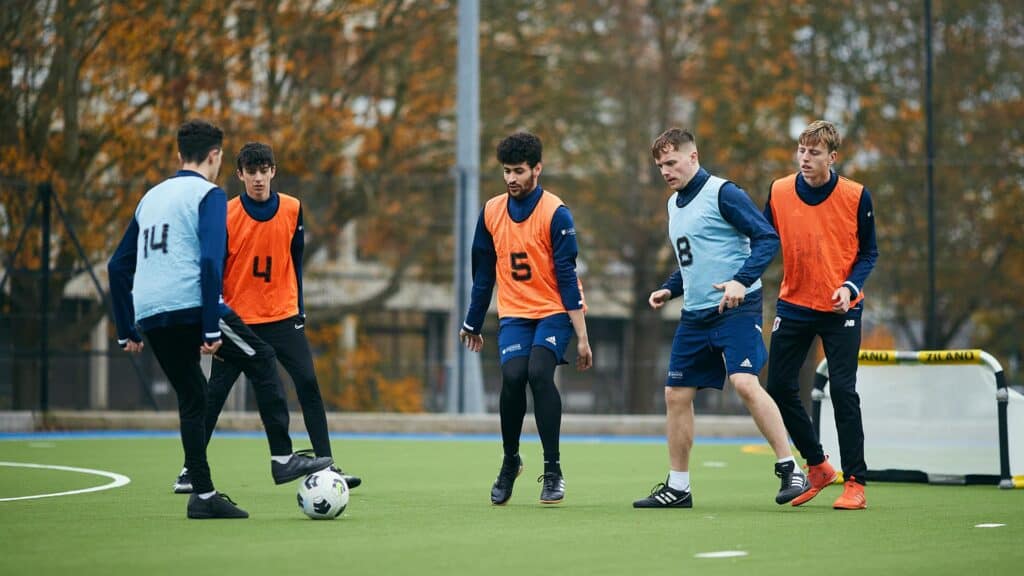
[[703, 355], [516, 336]]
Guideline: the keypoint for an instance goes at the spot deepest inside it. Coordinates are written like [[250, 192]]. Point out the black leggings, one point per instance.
[[538, 369]]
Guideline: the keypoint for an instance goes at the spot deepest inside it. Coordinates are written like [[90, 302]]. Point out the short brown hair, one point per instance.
[[821, 132], [671, 139]]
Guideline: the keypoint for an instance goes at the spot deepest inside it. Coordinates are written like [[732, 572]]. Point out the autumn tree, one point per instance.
[[875, 70], [73, 122], [93, 91], [357, 99], [600, 82]]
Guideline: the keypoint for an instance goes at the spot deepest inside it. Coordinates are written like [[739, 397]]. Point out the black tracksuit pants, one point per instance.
[[287, 339], [177, 350], [840, 336]]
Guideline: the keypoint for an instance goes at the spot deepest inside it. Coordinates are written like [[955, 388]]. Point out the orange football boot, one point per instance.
[[853, 496], [820, 476]]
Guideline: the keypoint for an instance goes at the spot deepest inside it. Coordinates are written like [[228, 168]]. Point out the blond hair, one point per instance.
[[821, 132]]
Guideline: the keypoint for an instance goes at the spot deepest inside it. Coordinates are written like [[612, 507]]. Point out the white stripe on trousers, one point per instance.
[[238, 340]]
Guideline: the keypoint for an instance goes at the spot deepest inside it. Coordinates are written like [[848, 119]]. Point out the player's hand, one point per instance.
[[584, 357], [735, 292], [658, 298], [841, 300], [210, 348], [133, 347], [472, 342]]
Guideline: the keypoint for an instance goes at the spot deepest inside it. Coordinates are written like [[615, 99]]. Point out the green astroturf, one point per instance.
[[424, 509]]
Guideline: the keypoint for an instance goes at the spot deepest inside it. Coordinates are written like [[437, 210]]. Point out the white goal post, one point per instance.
[[939, 416]]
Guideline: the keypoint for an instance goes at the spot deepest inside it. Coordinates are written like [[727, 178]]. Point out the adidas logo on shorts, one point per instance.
[[746, 363], [551, 340]]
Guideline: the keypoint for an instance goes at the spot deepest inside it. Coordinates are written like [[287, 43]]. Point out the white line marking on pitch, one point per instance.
[[721, 554], [118, 480], [715, 464], [992, 525]]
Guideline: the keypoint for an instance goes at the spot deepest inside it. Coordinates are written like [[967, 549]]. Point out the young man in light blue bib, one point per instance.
[[723, 244]]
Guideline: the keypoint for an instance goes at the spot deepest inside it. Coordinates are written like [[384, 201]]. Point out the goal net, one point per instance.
[[942, 416]]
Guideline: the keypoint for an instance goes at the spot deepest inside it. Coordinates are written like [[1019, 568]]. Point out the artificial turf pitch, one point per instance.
[[424, 509]]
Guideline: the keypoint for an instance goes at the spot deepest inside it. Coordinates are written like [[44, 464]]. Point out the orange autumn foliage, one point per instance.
[[353, 381]]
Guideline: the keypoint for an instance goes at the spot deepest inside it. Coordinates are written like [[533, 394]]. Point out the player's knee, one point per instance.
[[263, 375], [514, 372], [843, 392], [306, 385], [265, 354], [541, 376], [192, 410], [747, 386], [678, 397], [311, 401]]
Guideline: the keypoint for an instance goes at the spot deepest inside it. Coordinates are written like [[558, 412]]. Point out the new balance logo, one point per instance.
[[551, 340], [746, 363], [850, 323]]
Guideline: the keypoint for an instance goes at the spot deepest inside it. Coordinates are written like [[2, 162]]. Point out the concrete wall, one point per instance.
[[576, 424]]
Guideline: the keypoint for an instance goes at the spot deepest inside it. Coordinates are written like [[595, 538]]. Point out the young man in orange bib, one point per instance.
[[263, 285], [525, 242], [826, 226]]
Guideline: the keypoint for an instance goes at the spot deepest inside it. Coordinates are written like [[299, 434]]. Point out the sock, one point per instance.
[[207, 495], [281, 459], [679, 480], [787, 459], [553, 466], [511, 459]]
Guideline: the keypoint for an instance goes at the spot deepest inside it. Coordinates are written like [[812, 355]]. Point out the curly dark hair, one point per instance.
[[520, 147], [196, 138], [255, 155]]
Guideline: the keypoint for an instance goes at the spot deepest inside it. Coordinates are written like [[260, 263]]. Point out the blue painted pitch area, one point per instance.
[[430, 437]]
